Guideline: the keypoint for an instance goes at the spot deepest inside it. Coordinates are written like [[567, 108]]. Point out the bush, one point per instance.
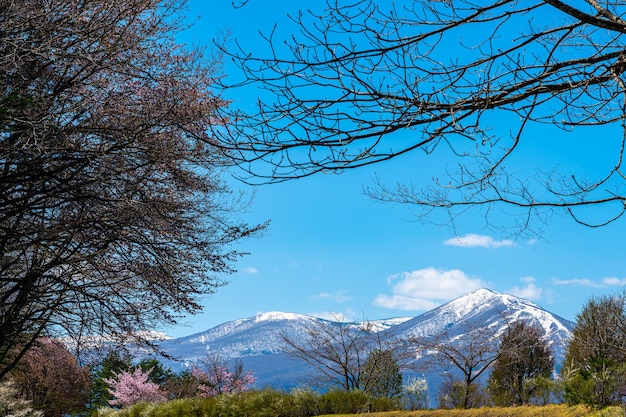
[[187, 407], [262, 403], [304, 402], [343, 402], [301, 402]]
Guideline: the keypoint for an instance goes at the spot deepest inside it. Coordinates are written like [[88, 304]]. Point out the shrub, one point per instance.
[[344, 402], [304, 402], [262, 403]]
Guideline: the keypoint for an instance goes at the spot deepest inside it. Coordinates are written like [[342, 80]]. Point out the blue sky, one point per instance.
[[330, 249]]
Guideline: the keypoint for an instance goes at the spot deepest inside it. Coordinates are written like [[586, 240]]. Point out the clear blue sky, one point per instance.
[[332, 250]]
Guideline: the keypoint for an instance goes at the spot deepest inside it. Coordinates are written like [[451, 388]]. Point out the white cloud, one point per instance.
[[585, 282], [250, 270], [614, 281], [339, 296], [472, 240], [580, 282], [530, 291], [427, 288]]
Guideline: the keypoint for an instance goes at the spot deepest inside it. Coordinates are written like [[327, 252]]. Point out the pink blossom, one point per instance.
[[130, 388], [222, 381]]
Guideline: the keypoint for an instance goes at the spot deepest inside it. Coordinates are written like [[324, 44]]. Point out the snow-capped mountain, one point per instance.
[[259, 335], [259, 341], [486, 309]]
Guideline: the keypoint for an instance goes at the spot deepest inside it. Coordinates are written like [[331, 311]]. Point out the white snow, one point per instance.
[[260, 337]]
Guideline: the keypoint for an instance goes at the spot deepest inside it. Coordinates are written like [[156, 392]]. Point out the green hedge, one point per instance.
[[260, 403]]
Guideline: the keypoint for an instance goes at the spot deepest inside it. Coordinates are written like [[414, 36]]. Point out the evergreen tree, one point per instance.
[[524, 363], [158, 374], [593, 371]]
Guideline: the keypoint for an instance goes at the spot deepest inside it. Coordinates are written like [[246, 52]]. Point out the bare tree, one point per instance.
[[336, 350], [114, 218], [464, 359], [358, 83], [351, 356]]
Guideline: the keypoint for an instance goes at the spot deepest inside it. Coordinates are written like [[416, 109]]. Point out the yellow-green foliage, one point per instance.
[[560, 410], [188, 407], [270, 403], [259, 403]]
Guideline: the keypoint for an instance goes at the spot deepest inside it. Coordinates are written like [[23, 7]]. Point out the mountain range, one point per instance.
[[259, 341]]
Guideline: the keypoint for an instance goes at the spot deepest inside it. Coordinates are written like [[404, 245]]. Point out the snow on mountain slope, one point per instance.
[[258, 340], [478, 309], [485, 309], [259, 335], [262, 334]]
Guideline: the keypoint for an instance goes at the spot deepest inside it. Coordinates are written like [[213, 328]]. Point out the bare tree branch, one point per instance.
[[359, 83], [113, 215]]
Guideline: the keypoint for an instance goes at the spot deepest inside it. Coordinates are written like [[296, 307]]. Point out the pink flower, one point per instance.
[[221, 381], [130, 388]]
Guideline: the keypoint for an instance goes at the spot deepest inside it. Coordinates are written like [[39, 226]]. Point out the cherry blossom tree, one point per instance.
[[50, 376], [216, 378], [415, 393], [129, 388]]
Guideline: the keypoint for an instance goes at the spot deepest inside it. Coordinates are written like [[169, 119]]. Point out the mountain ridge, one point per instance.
[[259, 341]]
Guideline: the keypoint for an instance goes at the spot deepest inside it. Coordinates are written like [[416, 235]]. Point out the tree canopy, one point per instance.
[[524, 366], [593, 370], [114, 218], [478, 83]]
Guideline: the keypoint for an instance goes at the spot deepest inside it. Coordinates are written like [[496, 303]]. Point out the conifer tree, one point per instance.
[[524, 362], [594, 369]]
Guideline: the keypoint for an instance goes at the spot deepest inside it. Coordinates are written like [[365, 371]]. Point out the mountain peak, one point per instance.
[[260, 339], [278, 316], [473, 302], [485, 298]]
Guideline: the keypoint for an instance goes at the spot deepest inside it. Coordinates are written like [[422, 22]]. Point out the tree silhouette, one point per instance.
[[114, 218]]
